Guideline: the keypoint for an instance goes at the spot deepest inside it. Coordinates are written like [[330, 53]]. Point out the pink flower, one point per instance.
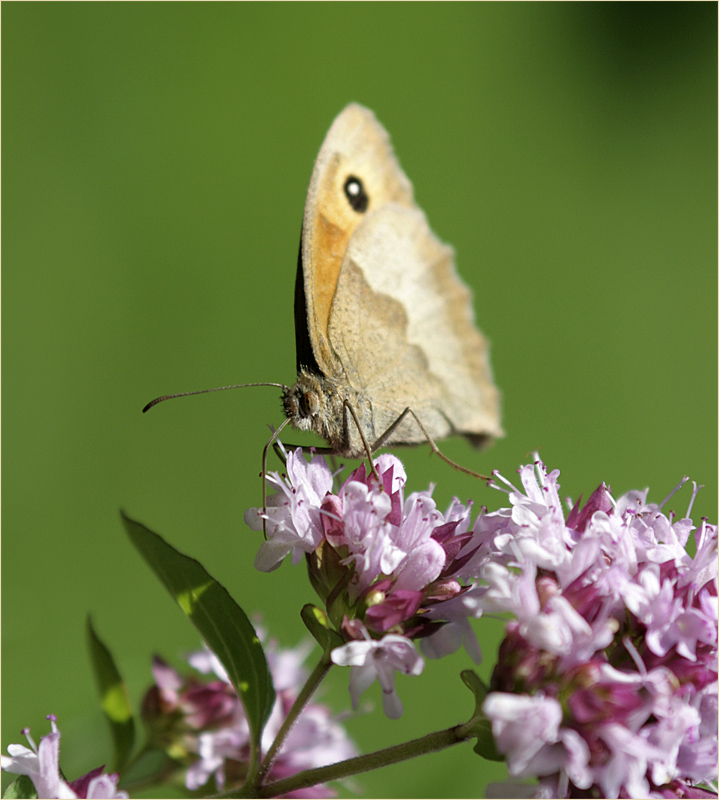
[[42, 765], [528, 731], [399, 560], [293, 517]]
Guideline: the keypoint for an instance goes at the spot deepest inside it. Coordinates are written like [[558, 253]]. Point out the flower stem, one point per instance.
[[314, 680], [430, 743]]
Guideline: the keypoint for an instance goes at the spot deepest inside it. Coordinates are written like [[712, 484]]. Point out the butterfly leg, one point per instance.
[[369, 450], [323, 451], [383, 438]]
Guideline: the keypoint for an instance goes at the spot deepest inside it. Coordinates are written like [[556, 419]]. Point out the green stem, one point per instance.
[[430, 743], [314, 680]]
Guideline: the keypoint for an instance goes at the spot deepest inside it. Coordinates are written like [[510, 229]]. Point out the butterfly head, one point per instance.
[[316, 403]]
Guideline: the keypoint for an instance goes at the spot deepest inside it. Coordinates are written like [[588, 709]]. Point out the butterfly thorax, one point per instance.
[[317, 403]]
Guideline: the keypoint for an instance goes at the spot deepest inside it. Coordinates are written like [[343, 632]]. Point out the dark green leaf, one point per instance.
[[221, 622], [113, 697]]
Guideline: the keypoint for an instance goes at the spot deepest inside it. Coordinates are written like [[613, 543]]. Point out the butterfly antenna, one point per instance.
[[206, 391]]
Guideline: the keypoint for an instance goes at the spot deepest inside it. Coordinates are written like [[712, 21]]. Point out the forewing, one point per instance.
[[356, 145]]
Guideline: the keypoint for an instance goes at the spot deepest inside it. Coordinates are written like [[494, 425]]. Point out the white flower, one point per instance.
[[522, 726], [42, 765], [378, 660]]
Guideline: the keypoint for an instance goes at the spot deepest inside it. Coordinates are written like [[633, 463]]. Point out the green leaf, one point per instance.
[[21, 787], [318, 625], [113, 697], [221, 622], [479, 725], [475, 685], [330, 577]]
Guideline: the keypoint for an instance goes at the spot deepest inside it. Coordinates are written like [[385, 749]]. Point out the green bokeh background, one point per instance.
[[156, 159]]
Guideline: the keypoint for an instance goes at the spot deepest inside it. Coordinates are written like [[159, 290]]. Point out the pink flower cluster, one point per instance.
[[204, 722], [606, 683], [389, 567]]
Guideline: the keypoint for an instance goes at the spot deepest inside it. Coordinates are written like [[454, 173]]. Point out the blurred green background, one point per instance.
[[155, 164]]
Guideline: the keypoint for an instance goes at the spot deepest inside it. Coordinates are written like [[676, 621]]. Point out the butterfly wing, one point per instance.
[[386, 313]]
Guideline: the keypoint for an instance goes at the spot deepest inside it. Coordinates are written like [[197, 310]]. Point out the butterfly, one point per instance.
[[387, 349]]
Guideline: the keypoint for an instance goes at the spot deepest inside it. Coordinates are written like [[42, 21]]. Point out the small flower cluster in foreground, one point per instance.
[[203, 722], [202, 727], [42, 765], [606, 683]]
